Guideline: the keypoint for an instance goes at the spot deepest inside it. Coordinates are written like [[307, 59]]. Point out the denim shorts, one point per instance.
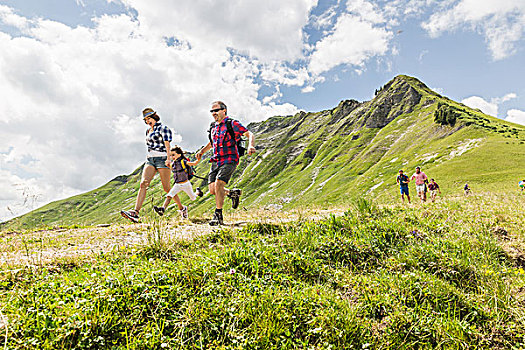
[[157, 162], [223, 172], [404, 190]]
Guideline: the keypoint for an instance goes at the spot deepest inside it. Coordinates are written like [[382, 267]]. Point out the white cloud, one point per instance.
[[269, 30], [71, 100], [326, 19], [478, 102], [366, 10], [352, 42], [516, 116], [505, 98], [502, 22], [307, 89], [8, 17], [490, 108]]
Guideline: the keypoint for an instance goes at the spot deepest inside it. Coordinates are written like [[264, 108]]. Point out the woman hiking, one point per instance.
[[158, 137]]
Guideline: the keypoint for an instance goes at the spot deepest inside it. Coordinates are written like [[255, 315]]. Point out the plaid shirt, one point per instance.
[[155, 139], [224, 147]]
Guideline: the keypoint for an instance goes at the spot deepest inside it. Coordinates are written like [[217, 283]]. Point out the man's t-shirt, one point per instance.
[[420, 178], [403, 180]]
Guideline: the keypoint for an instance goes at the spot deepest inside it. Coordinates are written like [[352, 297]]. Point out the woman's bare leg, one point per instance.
[[147, 175]]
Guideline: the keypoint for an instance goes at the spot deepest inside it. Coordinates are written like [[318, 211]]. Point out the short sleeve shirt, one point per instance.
[[155, 139], [224, 147], [179, 174], [420, 178], [402, 179], [433, 186]]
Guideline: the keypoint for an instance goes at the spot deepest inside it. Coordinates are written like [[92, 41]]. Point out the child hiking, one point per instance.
[[180, 166], [434, 189]]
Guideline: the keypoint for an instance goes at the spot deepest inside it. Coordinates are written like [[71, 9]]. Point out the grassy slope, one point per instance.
[[329, 157], [446, 276]]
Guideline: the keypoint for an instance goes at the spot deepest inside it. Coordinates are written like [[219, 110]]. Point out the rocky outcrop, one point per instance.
[[343, 110], [396, 98]]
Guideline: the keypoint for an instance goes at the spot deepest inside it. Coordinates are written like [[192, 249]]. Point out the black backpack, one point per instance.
[[241, 149]]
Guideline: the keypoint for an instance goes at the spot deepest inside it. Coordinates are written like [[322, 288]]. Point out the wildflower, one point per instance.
[[164, 345], [521, 271], [93, 275], [232, 271]]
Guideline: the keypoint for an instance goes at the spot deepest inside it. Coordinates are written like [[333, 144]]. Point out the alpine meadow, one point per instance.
[[320, 254]]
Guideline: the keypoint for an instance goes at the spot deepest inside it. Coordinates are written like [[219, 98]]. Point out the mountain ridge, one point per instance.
[[328, 157]]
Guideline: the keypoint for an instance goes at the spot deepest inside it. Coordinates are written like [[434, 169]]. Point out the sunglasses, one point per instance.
[[216, 110]]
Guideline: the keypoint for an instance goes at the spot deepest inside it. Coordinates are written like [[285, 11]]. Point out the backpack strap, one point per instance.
[[209, 132], [230, 129]]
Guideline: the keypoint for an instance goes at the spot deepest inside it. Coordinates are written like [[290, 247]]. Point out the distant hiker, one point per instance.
[[224, 135], [434, 189], [521, 184], [466, 188], [420, 183], [180, 167], [403, 181], [158, 137]]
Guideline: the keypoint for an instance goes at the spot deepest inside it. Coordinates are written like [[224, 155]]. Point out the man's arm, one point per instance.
[[251, 142], [203, 150]]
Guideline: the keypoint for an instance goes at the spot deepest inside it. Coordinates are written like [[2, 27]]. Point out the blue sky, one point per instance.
[[74, 75]]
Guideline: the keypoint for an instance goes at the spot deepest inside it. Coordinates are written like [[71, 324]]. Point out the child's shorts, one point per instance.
[[184, 186]]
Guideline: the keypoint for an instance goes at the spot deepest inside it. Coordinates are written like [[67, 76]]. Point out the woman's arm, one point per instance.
[[168, 149]]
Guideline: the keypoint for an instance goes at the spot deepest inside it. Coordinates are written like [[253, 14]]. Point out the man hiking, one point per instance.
[[421, 178], [403, 181], [224, 135]]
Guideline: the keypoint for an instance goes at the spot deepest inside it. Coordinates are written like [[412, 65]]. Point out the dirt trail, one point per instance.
[[46, 246]]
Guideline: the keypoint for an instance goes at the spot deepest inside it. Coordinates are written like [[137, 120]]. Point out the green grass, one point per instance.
[[447, 275]]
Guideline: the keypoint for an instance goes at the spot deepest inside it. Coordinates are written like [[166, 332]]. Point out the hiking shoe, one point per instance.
[[235, 195], [130, 214], [199, 192], [217, 220], [159, 210], [184, 212]]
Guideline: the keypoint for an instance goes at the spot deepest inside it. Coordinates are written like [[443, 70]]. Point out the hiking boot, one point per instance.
[[130, 214], [184, 212], [159, 210], [199, 192], [235, 195], [217, 220]]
